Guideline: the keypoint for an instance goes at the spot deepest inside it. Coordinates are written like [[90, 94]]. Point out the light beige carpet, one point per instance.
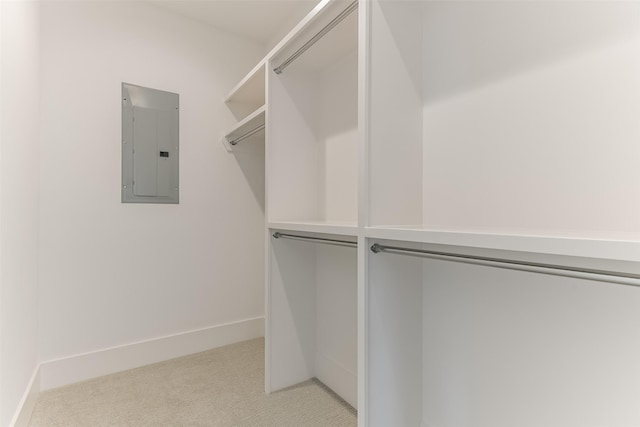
[[221, 387]]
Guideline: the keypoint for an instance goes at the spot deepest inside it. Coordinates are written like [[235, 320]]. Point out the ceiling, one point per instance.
[[262, 21]]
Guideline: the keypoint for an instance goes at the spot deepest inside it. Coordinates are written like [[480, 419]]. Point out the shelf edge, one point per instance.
[[311, 227], [618, 250], [250, 75]]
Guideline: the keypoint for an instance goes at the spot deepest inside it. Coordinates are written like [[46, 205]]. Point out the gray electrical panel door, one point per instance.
[[149, 145]]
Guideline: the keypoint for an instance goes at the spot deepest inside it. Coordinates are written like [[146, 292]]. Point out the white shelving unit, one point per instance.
[[248, 95], [478, 135], [455, 127], [248, 129], [485, 139], [247, 103], [312, 157], [312, 163], [312, 314]]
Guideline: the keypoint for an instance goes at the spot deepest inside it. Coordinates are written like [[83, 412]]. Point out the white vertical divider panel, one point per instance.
[[292, 313], [394, 388], [363, 331], [267, 299], [313, 149], [268, 77], [336, 320], [395, 120], [364, 111], [364, 11]]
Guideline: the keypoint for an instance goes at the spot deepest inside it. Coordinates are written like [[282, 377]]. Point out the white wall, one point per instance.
[[336, 323], [114, 273], [337, 140], [302, 9], [506, 348], [530, 115], [18, 202], [313, 119]]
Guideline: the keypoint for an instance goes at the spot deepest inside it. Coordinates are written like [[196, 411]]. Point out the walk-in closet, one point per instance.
[[387, 213]]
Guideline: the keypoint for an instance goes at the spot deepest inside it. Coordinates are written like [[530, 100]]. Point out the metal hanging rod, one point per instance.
[[551, 269], [247, 135], [335, 21], [346, 243]]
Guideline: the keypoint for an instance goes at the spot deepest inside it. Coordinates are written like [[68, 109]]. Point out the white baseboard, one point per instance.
[[81, 367], [25, 407], [338, 378]]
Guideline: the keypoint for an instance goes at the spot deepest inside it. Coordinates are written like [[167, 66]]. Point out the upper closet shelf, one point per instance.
[[329, 34], [252, 127], [602, 247], [249, 94]]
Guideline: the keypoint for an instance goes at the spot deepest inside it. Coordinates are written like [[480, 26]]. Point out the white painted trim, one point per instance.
[[24, 410], [81, 367]]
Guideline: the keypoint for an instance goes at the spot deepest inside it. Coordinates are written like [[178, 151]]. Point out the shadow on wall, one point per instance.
[[249, 155], [516, 36]]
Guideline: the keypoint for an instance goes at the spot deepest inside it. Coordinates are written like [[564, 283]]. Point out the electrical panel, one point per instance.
[[150, 144]]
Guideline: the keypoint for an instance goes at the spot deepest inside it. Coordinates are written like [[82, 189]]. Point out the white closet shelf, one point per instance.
[[254, 122], [346, 228], [600, 246], [249, 94], [251, 87], [334, 45]]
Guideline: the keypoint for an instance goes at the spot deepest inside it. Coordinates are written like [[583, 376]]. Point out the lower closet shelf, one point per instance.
[[346, 228]]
